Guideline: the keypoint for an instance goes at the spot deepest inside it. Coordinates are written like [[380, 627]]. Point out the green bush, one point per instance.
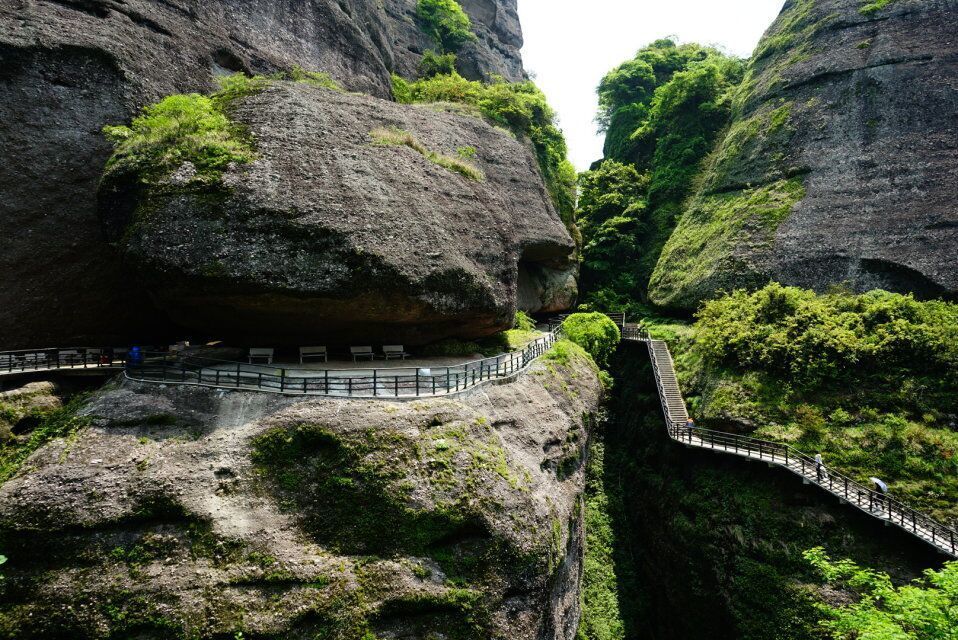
[[924, 610], [446, 22], [521, 108], [820, 338], [180, 128], [435, 64], [195, 128], [594, 332], [523, 322]]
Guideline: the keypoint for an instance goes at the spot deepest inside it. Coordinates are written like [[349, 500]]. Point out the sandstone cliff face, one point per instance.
[[841, 165], [72, 66], [194, 513], [329, 232]]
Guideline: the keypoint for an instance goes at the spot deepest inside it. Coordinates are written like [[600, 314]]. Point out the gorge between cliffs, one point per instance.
[[310, 328]]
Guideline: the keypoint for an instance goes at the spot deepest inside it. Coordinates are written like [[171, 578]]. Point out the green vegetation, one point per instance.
[[196, 129], [436, 64], [595, 333], [874, 6], [869, 381], [180, 128], [698, 258], [924, 610], [521, 108], [601, 612], [62, 422], [398, 137], [662, 112], [446, 22]]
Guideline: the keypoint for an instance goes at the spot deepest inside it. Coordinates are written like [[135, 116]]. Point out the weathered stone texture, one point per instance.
[[872, 130], [69, 67], [161, 518], [328, 233]]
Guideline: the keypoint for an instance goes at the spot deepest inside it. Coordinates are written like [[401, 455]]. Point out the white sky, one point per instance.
[[570, 45]]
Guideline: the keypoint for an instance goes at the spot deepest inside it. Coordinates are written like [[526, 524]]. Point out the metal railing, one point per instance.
[[874, 503], [59, 358], [406, 382]]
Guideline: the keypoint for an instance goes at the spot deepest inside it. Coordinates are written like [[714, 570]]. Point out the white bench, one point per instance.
[[362, 352], [261, 354], [312, 353], [394, 351], [70, 357]]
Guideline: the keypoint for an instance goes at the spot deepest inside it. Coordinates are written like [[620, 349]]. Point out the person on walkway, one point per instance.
[[819, 467], [881, 492], [690, 424]]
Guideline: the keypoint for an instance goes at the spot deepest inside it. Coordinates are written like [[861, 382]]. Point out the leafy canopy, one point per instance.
[[819, 338], [924, 610], [594, 332], [611, 216], [662, 112], [446, 22]]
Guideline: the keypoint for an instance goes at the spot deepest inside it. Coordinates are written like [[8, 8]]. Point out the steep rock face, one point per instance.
[[72, 66], [193, 513], [841, 165], [329, 233]]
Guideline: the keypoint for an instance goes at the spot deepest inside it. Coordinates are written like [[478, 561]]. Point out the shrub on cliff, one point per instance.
[[436, 64], [925, 610], [819, 338], [195, 128], [446, 22], [520, 107], [180, 128], [595, 333]]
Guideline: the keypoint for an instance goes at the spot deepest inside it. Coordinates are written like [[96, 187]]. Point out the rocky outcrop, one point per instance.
[[72, 66], [345, 228], [840, 167], [193, 513]]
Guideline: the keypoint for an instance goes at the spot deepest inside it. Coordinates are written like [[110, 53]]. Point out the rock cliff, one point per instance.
[[194, 513], [350, 223], [72, 66], [841, 163]]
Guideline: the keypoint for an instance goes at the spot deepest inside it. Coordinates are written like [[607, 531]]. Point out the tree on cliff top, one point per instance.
[[446, 22]]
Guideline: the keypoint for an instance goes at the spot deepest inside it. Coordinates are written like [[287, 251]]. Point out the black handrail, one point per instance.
[[874, 503], [27, 360], [395, 383]]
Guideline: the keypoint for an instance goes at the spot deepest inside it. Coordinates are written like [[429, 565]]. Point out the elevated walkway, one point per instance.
[[875, 504]]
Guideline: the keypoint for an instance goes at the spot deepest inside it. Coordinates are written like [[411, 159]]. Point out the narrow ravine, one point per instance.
[[687, 544]]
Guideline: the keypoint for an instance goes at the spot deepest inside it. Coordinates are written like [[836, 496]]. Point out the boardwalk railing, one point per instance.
[[876, 504], [47, 359], [387, 383]]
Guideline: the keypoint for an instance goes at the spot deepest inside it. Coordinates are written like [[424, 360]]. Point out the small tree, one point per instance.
[[924, 610], [446, 22], [436, 64], [594, 332]]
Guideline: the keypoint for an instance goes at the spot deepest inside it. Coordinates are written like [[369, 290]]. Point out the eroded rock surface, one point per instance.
[[69, 67], [861, 109], [329, 233], [188, 512]]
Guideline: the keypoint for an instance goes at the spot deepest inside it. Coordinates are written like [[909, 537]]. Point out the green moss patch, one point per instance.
[[400, 138], [62, 422], [874, 6], [699, 259]]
